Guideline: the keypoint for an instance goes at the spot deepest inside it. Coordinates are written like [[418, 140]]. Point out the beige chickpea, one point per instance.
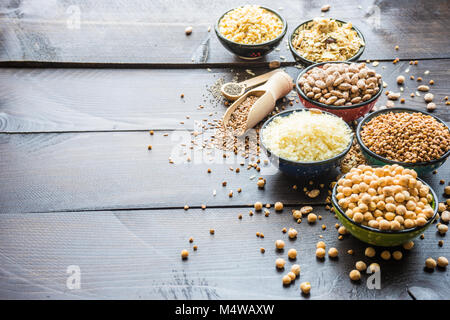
[[333, 252], [286, 280], [430, 263], [258, 206], [397, 255], [320, 253], [441, 207], [385, 255], [279, 263], [370, 252], [442, 228], [321, 244], [373, 224], [442, 262], [278, 206], [305, 287], [279, 244], [292, 275], [296, 269], [384, 225], [312, 218], [358, 217], [420, 221], [292, 254], [184, 254], [342, 230], [395, 225], [292, 233], [360, 266], [374, 267], [355, 275]]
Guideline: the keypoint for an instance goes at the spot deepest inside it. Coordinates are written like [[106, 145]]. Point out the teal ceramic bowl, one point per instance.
[[422, 168], [378, 237]]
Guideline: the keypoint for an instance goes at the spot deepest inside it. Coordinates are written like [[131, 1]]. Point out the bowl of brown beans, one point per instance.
[[348, 90], [404, 136], [384, 206]]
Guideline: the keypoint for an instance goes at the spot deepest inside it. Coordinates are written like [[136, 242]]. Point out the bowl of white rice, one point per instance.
[[306, 143]]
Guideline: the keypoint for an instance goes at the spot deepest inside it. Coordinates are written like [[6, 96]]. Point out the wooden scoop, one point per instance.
[[246, 84], [278, 85]]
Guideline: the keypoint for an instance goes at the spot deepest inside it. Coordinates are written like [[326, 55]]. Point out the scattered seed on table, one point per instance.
[[430, 263], [320, 253], [279, 244], [286, 280], [195, 247], [355, 275], [296, 269], [408, 245], [305, 287], [258, 206], [262, 250], [151, 132], [370, 252], [278, 206], [260, 183], [188, 30], [385, 255], [292, 233], [350, 252], [325, 8], [333, 252], [360, 266], [279, 263], [184, 254], [312, 218], [397, 255], [374, 267], [240, 216], [442, 228], [224, 184], [250, 213], [149, 147], [211, 231], [342, 230], [292, 254], [284, 230], [186, 207], [400, 79], [321, 244], [431, 106], [203, 206], [191, 240], [230, 194], [209, 170], [445, 216], [442, 262], [292, 275]]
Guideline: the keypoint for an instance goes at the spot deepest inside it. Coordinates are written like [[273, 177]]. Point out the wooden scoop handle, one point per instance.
[[259, 79]]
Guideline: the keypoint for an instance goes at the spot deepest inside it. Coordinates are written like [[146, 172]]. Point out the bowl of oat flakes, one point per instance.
[[250, 31], [325, 39]]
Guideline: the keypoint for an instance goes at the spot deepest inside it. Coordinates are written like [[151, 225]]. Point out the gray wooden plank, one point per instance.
[[103, 170], [136, 254], [153, 31], [57, 100]]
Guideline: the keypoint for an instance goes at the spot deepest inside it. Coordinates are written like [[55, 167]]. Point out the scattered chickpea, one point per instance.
[[430, 263], [360, 266], [279, 244], [320, 253], [292, 233], [374, 267], [321, 244], [408, 245], [211, 231], [397, 255], [262, 250], [350, 252], [400, 79], [188, 30], [305, 287], [370, 252], [279, 263], [355, 275], [261, 183], [209, 170], [149, 147], [191, 239], [240, 216], [184, 254], [284, 230], [342, 230], [195, 247], [292, 254], [186, 207], [286, 280], [296, 269], [441, 207], [447, 190], [333, 252], [385, 255], [442, 228], [442, 262], [152, 132], [278, 206], [258, 206], [312, 218], [292, 275]]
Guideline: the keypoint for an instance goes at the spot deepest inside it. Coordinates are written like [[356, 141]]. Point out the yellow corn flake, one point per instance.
[[325, 39], [250, 24]]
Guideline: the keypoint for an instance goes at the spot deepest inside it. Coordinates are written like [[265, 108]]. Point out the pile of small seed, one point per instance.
[[238, 119], [406, 137], [340, 84], [352, 159], [385, 198]]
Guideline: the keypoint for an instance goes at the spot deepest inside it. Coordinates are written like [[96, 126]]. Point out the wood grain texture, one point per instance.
[[58, 100], [136, 254], [97, 171], [152, 32]]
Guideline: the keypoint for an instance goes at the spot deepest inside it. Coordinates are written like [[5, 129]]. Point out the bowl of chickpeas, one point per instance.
[[384, 206]]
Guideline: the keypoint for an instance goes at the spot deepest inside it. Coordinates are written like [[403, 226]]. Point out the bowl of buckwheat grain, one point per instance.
[[384, 205], [404, 136], [250, 31], [348, 90]]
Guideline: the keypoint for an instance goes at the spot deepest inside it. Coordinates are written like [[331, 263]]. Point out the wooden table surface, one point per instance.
[[78, 186]]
